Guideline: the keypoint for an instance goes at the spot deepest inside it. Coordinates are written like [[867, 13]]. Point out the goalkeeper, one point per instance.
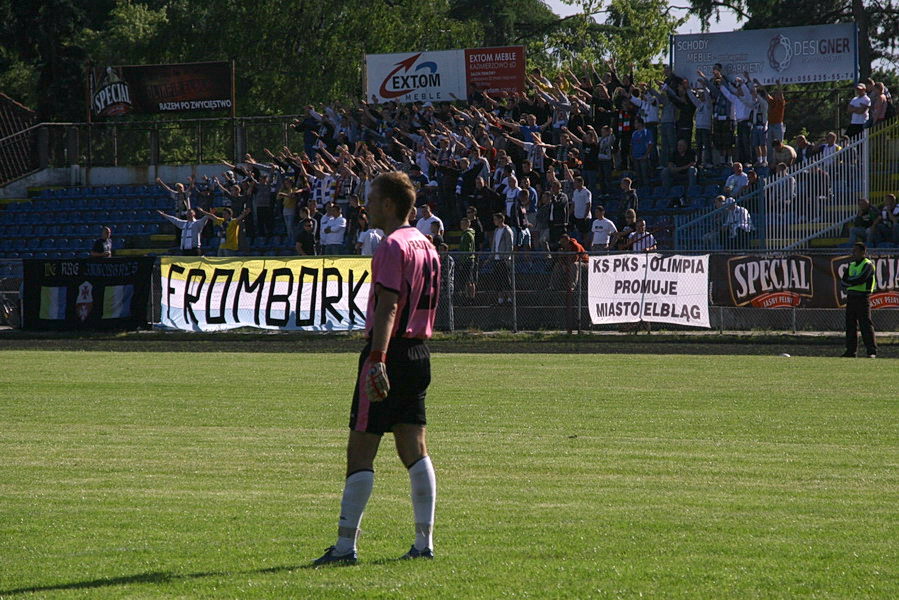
[[394, 369]]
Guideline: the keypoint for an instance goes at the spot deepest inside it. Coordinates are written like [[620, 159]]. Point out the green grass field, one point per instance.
[[128, 475]]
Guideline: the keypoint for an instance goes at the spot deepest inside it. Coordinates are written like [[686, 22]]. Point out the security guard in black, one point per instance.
[[859, 282]]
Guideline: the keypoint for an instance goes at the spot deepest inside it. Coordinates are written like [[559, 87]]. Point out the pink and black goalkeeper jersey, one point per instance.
[[407, 263]]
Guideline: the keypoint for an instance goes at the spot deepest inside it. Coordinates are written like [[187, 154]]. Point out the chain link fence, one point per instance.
[[542, 291], [549, 291]]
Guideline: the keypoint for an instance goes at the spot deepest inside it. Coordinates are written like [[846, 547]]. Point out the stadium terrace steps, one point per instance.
[[809, 228], [827, 242]]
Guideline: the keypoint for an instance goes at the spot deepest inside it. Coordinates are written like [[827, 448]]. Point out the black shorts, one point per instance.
[[468, 270], [722, 133], [409, 373]]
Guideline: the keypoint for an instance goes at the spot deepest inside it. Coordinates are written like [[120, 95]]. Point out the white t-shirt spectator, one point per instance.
[[424, 225], [736, 183], [370, 239], [641, 241], [511, 199], [582, 200], [602, 231], [337, 226], [860, 102]]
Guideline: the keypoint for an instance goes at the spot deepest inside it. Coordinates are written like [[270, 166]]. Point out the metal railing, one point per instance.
[[812, 199], [141, 143], [707, 232]]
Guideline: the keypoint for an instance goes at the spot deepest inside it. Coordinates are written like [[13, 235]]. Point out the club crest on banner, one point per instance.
[[85, 302]]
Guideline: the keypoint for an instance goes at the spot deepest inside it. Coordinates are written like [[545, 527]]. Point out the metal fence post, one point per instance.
[[514, 298], [580, 293], [450, 292], [153, 293], [721, 320]]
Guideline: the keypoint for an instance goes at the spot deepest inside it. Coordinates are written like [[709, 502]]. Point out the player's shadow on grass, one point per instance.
[[162, 577]]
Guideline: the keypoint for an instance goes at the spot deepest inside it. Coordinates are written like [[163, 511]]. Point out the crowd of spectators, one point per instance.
[[535, 166]]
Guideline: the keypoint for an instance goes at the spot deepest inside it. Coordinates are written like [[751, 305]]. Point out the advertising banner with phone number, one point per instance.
[[806, 54]]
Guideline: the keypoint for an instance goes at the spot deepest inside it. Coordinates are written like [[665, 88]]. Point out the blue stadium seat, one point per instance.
[[699, 202], [712, 189], [118, 243], [647, 206], [676, 191]]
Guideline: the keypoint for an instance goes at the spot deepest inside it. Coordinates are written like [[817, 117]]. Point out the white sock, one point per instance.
[[424, 496], [356, 492]]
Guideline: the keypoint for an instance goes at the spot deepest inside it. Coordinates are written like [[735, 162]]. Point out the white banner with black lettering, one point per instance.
[[790, 54], [308, 294], [629, 288]]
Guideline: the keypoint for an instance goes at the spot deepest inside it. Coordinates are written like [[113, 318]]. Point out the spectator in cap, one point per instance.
[[737, 224], [858, 110]]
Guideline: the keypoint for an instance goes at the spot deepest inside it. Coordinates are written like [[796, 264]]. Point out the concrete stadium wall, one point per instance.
[[97, 176]]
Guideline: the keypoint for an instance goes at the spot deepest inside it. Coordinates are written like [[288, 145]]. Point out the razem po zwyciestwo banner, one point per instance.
[[300, 294], [790, 54], [629, 288], [416, 76], [121, 90]]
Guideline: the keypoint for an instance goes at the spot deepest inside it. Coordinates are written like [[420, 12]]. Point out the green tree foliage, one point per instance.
[[633, 32], [505, 22]]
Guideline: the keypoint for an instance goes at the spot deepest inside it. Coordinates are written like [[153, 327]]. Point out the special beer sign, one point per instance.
[[795, 281], [764, 282], [120, 90]]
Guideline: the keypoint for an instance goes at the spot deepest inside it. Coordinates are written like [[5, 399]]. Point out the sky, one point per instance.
[[729, 21]]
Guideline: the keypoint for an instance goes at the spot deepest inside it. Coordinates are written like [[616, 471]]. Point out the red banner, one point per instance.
[[497, 71]]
